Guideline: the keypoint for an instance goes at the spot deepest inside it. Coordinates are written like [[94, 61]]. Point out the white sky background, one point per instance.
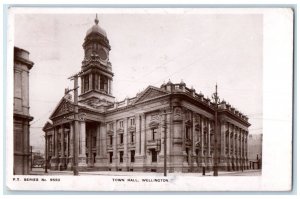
[[147, 49]]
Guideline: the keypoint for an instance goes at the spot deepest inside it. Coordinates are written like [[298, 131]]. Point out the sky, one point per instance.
[[147, 49]]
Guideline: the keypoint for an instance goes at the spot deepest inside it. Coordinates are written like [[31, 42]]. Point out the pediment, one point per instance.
[[47, 126], [153, 124], [150, 93], [64, 107]]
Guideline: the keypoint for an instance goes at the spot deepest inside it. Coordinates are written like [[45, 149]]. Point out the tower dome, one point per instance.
[[97, 75], [96, 29]]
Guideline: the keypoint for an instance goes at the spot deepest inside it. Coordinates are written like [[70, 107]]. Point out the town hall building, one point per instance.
[[129, 135]]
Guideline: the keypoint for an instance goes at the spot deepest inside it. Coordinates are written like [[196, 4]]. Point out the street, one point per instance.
[[41, 171]]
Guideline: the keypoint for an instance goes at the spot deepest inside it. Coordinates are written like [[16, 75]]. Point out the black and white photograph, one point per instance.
[[149, 99]]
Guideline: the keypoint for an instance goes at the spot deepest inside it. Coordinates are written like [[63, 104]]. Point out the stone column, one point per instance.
[[90, 81], [67, 132], [178, 140], [208, 137], [143, 135], [229, 149], [185, 163], [245, 149], [229, 141], [54, 150], [242, 149], [62, 152], [82, 84], [125, 141], [202, 142], [137, 136], [222, 152], [237, 148], [209, 163], [108, 85], [233, 149], [82, 145], [71, 147], [170, 129], [194, 139], [103, 145], [101, 156], [98, 149], [161, 131], [115, 150], [138, 164], [46, 148], [89, 147], [99, 81], [53, 143]]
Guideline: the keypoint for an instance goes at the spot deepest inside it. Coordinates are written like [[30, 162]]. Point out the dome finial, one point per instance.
[[96, 20]]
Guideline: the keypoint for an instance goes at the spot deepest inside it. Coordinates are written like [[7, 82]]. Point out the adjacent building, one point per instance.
[[255, 151], [130, 135], [22, 65]]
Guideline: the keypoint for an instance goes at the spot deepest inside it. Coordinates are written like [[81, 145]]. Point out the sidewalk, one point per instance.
[[40, 171]]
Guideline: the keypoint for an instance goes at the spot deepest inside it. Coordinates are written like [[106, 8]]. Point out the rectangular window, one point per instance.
[[121, 156], [154, 155], [101, 82], [121, 138], [187, 132], [93, 80], [94, 142], [132, 155], [187, 154], [212, 139], [96, 82], [86, 83], [110, 139], [121, 124], [110, 157], [132, 121], [132, 137], [111, 126], [154, 132]]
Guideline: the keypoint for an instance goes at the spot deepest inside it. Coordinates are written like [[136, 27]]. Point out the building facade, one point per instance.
[[22, 65], [255, 151], [130, 135]]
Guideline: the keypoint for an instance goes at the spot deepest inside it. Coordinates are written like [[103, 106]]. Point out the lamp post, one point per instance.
[[216, 99], [76, 124]]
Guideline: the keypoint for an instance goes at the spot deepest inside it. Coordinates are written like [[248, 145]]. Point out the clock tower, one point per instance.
[[97, 75]]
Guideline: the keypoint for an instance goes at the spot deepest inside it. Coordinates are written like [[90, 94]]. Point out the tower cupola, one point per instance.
[[97, 76]]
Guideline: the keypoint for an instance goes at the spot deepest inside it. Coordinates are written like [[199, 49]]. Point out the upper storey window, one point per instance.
[[132, 121], [121, 124], [86, 83], [154, 133], [111, 126], [103, 83], [187, 132]]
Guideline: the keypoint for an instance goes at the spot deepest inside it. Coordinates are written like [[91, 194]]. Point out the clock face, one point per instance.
[[103, 54]]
